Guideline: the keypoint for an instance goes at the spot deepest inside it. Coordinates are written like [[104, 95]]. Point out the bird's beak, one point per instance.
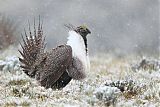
[[89, 32]]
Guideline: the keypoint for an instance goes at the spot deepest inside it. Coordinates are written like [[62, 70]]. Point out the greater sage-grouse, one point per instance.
[[57, 67]]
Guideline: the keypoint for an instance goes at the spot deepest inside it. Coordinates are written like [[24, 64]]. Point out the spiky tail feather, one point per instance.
[[32, 50]]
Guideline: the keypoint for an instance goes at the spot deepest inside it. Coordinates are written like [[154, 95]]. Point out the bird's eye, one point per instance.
[[83, 30]]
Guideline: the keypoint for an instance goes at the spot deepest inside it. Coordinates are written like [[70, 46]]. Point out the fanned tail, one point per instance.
[[48, 68], [32, 50]]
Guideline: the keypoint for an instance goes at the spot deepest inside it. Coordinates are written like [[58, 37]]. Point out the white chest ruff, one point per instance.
[[78, 48]]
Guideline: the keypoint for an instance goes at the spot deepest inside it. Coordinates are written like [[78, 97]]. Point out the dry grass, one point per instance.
[[17, 89]]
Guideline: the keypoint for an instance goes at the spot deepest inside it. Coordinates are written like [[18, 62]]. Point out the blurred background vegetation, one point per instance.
[[118, 26]]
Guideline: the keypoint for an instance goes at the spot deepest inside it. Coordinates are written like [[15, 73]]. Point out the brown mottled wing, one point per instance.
[[54, 65], [74, 71]]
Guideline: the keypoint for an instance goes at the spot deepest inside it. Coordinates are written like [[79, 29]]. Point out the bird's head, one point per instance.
[[82, 30]]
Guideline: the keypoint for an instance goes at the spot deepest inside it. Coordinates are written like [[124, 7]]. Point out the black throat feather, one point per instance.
[[85, 42], [84, 36]]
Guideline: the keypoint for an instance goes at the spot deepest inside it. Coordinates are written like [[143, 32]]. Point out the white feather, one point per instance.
[[76, 41]]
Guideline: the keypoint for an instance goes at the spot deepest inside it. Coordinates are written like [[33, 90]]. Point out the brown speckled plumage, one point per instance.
[[76, 69], [53, 69], [46, 67]]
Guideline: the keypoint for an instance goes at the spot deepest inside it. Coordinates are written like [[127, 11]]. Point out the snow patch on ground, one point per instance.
[[103, 86]]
